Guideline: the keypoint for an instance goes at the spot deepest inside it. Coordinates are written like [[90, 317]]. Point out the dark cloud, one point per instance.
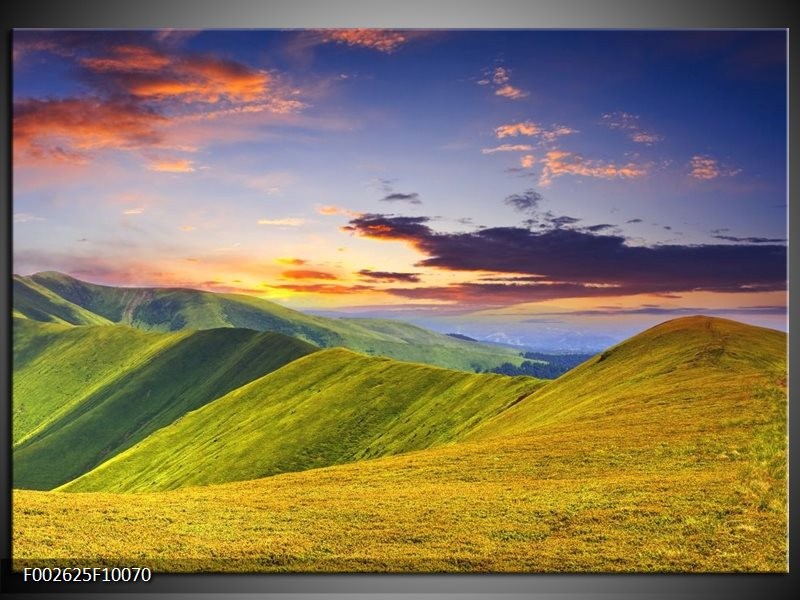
[[750, 240], [576, 263], [563, 220], [389, 227], [633, 221], [412, 198], [387, 185], [601, 227], [528, 201], [388, 276]]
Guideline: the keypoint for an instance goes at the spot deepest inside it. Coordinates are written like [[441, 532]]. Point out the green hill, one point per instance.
[[666, 453], [37, 302], [674, 368], [173, 309], [331, 407], [83, 394]]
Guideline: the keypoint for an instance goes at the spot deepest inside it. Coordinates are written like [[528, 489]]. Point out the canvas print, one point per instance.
[[427, 301]]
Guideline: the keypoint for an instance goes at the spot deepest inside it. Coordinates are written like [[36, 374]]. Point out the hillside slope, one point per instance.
[[668, 453], [173, 309], [331, 407], [37, 302], [82, 394], [674, 368]]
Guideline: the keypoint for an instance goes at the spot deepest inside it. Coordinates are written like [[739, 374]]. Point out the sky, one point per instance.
[[555, 188]]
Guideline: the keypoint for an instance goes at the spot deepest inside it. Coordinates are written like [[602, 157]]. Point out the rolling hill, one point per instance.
[[34, 301], [666, 453], [83, 394], [51, 296], [330, 407], [703, 364]]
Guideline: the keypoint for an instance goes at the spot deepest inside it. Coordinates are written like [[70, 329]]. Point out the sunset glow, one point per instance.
[[497, 183]]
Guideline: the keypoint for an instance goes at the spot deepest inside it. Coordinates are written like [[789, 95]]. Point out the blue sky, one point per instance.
[[475, 180]]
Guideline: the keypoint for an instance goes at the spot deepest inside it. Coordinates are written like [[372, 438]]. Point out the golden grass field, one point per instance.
[[668, 455]]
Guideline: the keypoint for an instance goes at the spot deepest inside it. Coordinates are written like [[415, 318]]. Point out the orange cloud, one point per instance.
[[556, 132], [141, 94], [292, 261], [508, 148], [204, 83], [515, 129], [559, 162], [382, 40], [72, 129], [330, 209], [127, 58], [705, 167], [526, 162], [322, 288], [630, 123], [509, 91], [307, 274], [179, 165], [500, 80], [146, 73]]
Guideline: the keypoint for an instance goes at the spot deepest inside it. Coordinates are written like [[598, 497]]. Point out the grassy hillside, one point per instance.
[[331, 407], [57, 367], [667, 453], [660, 475], [37, 302], [82, 394], [687, 365], [169, 309]]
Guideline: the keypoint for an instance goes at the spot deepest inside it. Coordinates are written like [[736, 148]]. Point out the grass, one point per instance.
[[75, 407], [331, 407], [57, 367], [37, 302], [667, 453], [169, 309], [582, 499]]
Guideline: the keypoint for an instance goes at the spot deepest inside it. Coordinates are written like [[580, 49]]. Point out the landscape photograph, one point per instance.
[[399, 300]]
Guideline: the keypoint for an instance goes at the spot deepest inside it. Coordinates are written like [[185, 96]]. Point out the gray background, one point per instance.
[[561, 14]]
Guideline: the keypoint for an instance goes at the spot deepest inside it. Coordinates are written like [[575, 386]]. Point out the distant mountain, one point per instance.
[[330, 407], [55, 297], [83, 394]]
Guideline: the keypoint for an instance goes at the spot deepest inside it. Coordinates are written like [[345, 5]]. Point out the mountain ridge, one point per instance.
[[172, 309]]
